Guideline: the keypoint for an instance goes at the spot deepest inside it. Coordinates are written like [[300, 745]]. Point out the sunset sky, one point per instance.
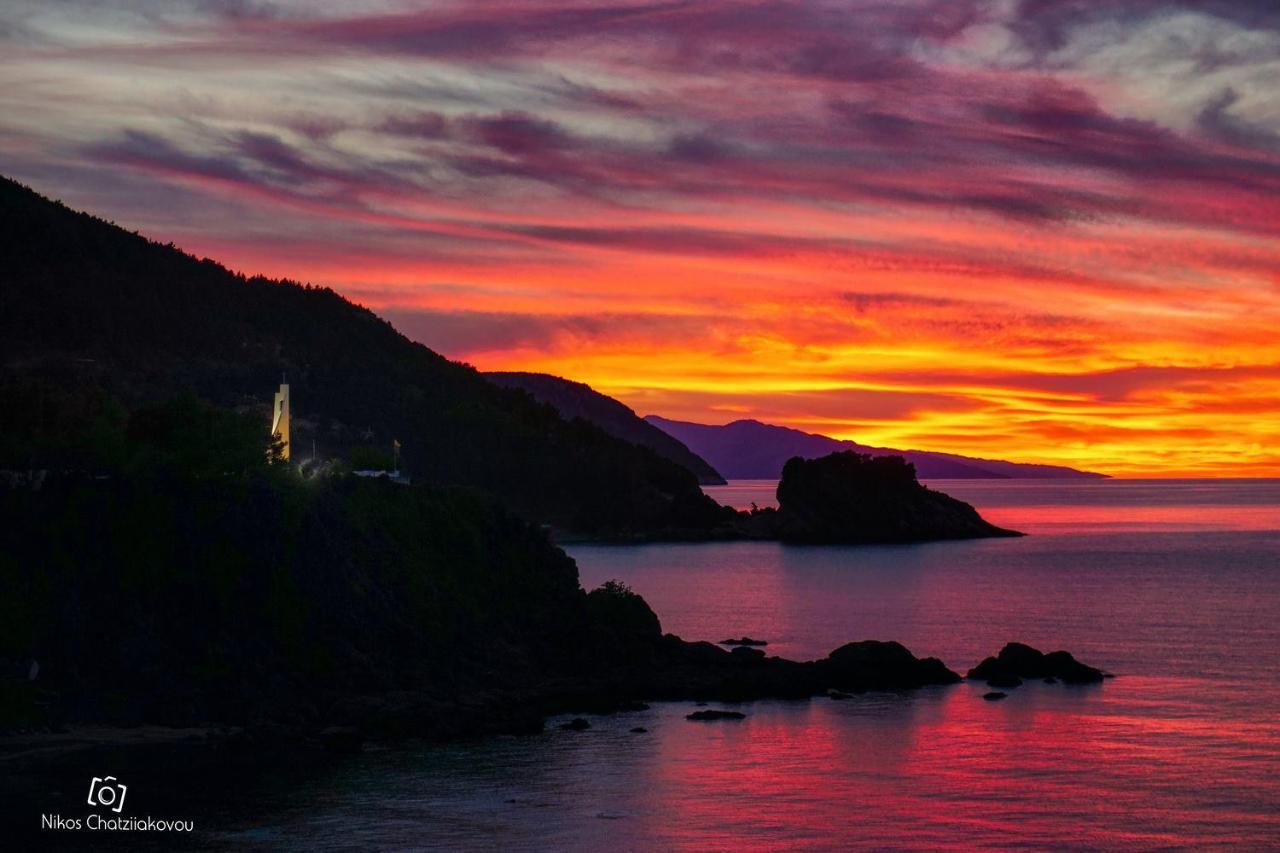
[[1045, 230]]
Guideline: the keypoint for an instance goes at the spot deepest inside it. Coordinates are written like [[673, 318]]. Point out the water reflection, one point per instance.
[[939, 769]]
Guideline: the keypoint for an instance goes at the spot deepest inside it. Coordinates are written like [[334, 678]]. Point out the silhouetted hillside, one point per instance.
[[750, 450], [293, 606], [577, 400], [94, 319], [183, 599]]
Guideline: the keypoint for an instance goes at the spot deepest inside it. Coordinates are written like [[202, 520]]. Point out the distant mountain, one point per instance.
[[96, 321], [750, 450], [577, 400]]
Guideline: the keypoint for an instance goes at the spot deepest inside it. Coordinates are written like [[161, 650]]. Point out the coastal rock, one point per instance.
[[712, 714], [744, 641], [1068, 670], [1017, 661], [877, 665], [994, 696], [854, 498], [342, 739], [639, 730], [703, 671], [577, 724], [626, 614]]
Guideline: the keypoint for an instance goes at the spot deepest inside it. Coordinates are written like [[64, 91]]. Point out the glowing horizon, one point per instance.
[[1032, 230]]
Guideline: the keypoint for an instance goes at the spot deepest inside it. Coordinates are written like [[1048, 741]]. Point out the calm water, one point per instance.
[[1173, 586]]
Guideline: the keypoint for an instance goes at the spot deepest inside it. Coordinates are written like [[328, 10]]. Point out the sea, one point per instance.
[[1171, 585]]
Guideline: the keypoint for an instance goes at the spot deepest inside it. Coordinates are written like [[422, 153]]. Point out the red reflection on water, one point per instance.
[[1050, 767], [1074, 518], [1179, 752]]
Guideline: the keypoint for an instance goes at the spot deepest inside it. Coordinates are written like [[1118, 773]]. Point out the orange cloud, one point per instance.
[[863, 219]]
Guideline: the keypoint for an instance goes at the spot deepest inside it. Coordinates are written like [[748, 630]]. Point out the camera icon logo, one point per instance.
[[107, 792]]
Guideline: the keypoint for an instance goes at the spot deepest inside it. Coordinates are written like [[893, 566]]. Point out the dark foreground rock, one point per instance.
[[680, 670], [342, 739], [876, 665], [713, 714], [854, 498], [1018, 661], [744, 641], [616, 659]]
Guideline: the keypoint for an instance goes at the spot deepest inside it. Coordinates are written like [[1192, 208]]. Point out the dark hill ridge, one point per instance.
[[94, 317], [751, 450], [578, 400], [97, 324]]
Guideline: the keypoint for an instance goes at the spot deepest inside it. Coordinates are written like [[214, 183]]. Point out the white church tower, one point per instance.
[[280, 418]]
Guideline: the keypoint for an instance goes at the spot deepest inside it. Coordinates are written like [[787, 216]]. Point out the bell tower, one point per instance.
[[280, 418]]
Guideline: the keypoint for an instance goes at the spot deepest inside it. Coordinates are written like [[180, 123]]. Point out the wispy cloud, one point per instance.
[[1044, 228]]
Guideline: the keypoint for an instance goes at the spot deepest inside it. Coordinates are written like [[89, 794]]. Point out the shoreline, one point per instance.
[[680, 671]]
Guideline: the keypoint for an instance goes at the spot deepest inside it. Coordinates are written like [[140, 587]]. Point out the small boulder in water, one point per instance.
[[994, 696], [1018, 661], [577, 724], [342, 739], [715, 714], [876, 665]]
